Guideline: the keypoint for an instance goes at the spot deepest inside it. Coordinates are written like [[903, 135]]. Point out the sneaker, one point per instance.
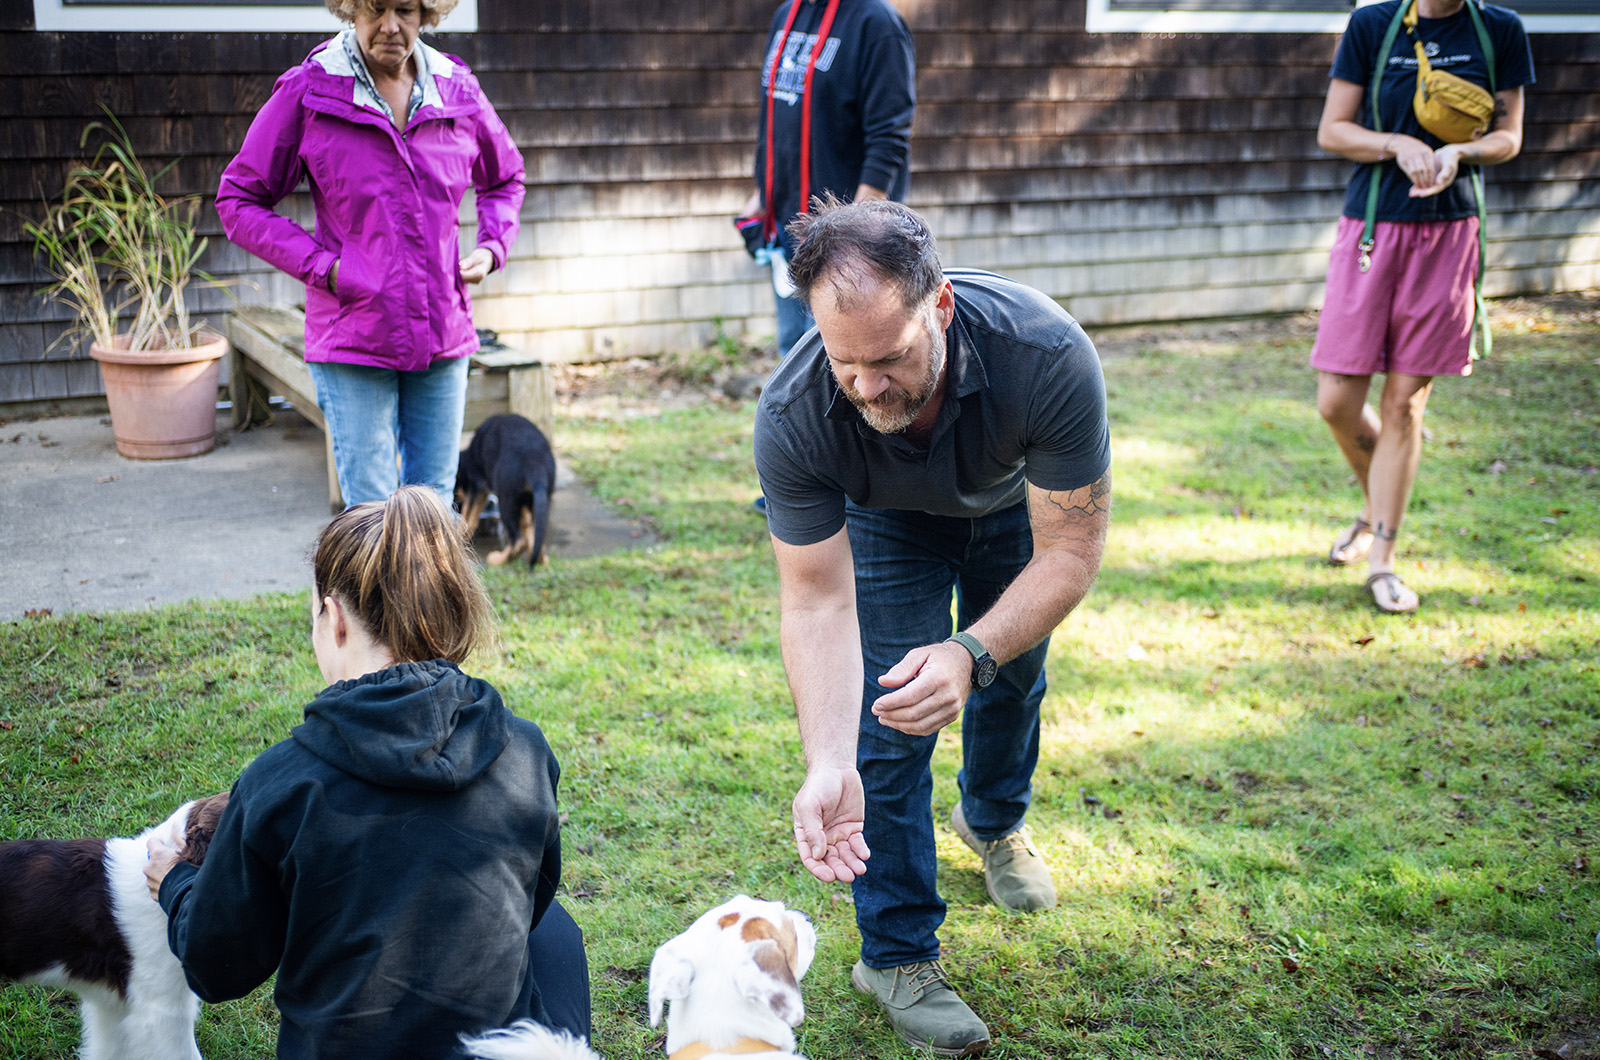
[[924, 1009], [1013, 869]]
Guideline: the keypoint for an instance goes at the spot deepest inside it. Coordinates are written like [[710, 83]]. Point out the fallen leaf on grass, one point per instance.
[[1364, 641], [1560, 1052], [1290, 965], [1497, 467], [6, 725], [1473, 662], [1209, 612], [37, 612], [1474, 600]]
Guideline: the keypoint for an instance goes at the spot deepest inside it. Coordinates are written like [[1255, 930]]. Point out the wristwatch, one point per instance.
[[983, 665]]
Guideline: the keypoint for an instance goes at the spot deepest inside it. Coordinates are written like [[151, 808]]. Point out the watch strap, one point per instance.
[[969, 642]]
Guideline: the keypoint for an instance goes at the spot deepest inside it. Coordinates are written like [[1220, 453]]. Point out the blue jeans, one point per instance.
[[559, 971], [906, 565], [376, 415], [793, 321]]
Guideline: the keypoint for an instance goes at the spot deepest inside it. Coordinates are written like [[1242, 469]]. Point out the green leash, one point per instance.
[[1480, 318]]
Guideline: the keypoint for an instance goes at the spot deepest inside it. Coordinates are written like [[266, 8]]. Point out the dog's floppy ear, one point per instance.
[[767, 973], [805, 942], [202, 826], [671, 972]]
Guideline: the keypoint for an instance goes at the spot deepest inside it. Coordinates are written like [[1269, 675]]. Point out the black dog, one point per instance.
[[510, 458]]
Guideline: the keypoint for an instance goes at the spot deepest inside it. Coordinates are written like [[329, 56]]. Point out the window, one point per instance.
[[1300, 16], [212, 16]]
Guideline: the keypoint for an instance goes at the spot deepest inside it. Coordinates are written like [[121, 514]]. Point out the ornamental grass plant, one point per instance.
[[122, 255]]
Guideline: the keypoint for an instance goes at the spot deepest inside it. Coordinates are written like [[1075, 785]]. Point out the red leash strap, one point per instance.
[[805, 106], [769, 227]]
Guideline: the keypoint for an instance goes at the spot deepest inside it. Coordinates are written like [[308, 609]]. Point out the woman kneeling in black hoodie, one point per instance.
[[395, 860]]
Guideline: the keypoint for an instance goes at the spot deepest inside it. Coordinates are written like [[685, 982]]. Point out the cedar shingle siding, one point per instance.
[[1133, 177]]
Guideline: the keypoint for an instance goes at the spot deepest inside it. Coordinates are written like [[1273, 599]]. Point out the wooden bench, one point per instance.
[[267, 358]]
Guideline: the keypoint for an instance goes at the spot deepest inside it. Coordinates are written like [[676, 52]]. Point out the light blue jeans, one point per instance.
[[907, 564], [378, 417]]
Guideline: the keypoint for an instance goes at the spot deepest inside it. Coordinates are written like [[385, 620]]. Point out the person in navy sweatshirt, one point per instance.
[[856, 89], [395, 860]]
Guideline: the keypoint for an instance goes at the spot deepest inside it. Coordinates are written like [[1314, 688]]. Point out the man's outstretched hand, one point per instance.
[[829, 815]]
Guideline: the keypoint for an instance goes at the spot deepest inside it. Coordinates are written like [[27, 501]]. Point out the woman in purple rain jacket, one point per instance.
[[390, 133]]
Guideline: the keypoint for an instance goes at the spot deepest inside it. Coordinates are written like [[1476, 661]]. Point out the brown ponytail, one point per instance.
[[402, 568]]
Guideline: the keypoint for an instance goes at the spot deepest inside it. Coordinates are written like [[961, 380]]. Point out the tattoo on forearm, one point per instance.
[[1093, 499]]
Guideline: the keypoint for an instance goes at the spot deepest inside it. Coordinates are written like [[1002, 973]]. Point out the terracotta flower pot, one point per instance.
[[163, 402]]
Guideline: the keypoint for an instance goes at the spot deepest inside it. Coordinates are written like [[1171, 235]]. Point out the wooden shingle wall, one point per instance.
[[1133, 177]]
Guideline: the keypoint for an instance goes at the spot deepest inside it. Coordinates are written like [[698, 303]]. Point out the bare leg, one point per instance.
[[1342, 402], [1393, 468]]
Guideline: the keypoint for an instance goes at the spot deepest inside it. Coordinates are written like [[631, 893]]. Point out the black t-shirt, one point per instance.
[[1452, 45], [1025, 402], [863, 99]]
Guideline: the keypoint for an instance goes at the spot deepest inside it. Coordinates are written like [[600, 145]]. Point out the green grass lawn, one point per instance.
[[1282, 824]]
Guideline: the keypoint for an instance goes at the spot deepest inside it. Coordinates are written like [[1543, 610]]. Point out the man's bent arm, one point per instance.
[[931, 683], [821, 645], [1069, 539]]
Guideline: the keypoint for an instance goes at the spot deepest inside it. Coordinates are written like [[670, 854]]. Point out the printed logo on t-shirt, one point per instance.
[[792, 70], [1409, 59]]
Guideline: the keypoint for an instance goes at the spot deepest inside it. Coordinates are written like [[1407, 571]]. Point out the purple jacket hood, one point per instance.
[[386, 202]]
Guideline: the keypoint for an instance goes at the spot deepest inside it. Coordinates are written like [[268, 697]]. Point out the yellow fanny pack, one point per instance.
[[1452, 108]]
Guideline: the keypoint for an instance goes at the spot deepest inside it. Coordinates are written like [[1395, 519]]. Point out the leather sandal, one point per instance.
[[1392, 600], [1348, 546]]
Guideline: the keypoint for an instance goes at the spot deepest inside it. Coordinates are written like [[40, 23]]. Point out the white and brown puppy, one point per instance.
[[732, 981], [77, 914]]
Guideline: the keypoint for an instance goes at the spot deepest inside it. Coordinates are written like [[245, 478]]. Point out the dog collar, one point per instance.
[[696, 1050]]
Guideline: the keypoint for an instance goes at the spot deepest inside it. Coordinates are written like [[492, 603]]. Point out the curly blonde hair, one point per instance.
[[432, 10]]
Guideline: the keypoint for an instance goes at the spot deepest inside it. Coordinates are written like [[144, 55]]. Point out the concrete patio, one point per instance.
[[84, 529]]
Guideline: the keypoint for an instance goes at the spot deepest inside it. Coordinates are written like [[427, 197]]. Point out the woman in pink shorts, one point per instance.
[[1409, 312]]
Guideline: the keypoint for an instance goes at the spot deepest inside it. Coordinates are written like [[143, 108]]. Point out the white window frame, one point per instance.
[[211, 18], [1102, 19]]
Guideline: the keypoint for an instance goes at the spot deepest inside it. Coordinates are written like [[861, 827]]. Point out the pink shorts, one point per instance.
[[1411, 312]]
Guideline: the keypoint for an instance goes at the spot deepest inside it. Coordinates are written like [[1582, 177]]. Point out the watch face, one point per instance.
[[983, 671]]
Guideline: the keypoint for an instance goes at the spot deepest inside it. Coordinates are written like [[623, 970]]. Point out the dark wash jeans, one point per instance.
[[906, 566]]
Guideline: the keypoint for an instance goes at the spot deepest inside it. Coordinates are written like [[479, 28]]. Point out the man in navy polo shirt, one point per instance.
[[937, 432]]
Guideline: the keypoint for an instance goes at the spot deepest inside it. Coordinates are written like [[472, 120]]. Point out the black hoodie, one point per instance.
[[389, 860], [863, 98]]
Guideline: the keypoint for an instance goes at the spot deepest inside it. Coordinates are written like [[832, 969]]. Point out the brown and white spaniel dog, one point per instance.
[[732, 981], [77, 914]]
